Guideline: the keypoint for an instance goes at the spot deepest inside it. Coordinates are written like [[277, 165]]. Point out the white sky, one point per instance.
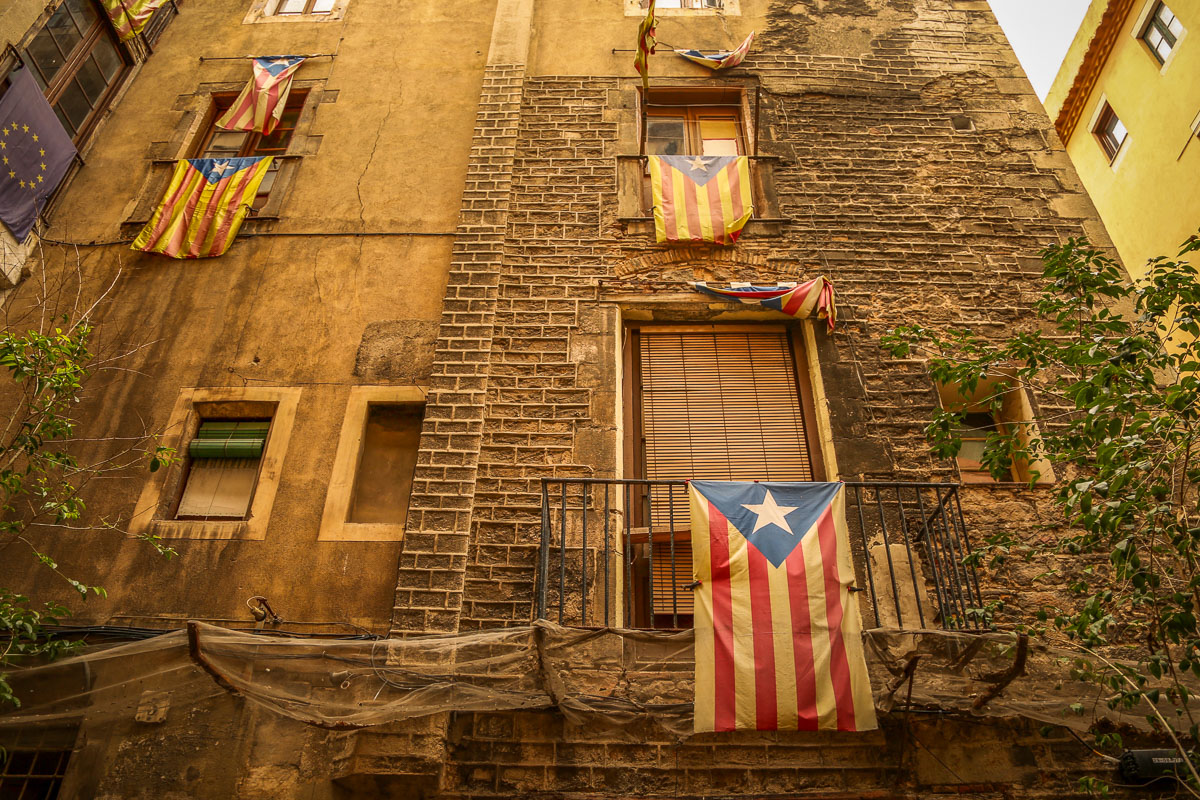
[[1040, 31]]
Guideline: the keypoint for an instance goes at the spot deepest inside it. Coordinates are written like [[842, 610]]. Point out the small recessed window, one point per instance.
[[1162, 32], [223, 461], [973, 430], [686, 4], [1110, 131], [383, 482], [288, 7]]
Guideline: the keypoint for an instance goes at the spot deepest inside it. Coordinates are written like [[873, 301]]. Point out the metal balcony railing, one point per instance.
[[618, 553]]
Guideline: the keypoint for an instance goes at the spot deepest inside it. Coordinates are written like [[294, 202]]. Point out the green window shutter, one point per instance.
[[230, 439]]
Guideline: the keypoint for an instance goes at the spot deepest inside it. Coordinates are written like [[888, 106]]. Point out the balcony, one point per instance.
[[617, 553]]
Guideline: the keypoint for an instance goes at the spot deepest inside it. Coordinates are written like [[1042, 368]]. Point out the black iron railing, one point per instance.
[[618, 553]]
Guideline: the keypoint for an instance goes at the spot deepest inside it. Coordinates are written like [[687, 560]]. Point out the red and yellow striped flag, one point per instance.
[[260, 105], [645, 46], [778, 634], [129, 17], [202, 210], [700, 198]]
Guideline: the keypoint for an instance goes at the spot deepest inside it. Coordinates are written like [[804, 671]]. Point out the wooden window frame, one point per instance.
[[218, 104], [1153, 23], [57, 85], [265, 11], [635, 452], [1103, 131], [307, 11]]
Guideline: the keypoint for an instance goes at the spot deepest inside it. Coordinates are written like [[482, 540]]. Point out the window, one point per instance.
[[217, 143], [687, 4], [998, 406], [224, 457], [34, 762], [689, 122], [1111, 132], [304, 11], [684, 7], [231, 443], [723, 403], [391, 436], [1162, 32], [76, 60], [284, 7], [373, 470]]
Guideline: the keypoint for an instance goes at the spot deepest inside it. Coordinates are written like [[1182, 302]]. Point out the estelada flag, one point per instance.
[[700, 198], [129, 17], [722, 60], [202, 210], [778, 633], [645, 45], [260, 105], [804, 300]]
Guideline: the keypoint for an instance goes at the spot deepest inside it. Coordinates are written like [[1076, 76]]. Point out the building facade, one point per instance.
[[450, 354], [1126, 103]]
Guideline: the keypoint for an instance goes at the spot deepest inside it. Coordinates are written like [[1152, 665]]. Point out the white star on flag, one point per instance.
[[771, 513], [698, 162], [221, 167]]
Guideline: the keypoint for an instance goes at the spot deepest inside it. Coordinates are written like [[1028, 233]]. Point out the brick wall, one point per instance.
[[913, 219]]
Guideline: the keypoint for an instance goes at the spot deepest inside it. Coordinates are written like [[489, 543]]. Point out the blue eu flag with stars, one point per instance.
[[35, 153]]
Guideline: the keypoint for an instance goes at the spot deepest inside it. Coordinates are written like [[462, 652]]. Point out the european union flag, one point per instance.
[[36, 153]]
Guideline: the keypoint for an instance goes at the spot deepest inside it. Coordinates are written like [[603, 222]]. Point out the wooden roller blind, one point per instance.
[[684, 596], [722, 406]]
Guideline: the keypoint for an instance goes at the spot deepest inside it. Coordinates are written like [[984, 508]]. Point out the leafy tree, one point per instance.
[[48, 357], [1115, 367]]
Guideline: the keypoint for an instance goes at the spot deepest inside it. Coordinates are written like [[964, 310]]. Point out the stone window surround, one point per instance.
[[731, 8], [705, 312], [1115, 160], [630, 171], [1017, 410], [1138, 31], [262, 11], [159, 494], [197, 117], [334, 524]]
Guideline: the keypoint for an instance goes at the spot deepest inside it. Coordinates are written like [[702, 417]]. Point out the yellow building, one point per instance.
[[1126, 103]]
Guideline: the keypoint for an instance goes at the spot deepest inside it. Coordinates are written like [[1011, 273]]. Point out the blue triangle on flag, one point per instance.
[[756, 510]]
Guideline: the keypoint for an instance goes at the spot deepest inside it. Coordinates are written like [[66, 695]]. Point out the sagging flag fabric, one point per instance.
[[645, 45], [778, 633], [129, 17], [700, 198], [804, 300], [260, 105], [720, 60], [202, 210], [36, 153]]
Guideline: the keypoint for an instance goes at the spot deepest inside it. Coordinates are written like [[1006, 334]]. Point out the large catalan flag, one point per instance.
[[204, 205], [778, 634], [721, 60], [129, 17], [260, 105], [804, 300], [700, 198]]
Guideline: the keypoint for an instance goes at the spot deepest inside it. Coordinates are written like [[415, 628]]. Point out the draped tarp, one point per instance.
[[605, 676]]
